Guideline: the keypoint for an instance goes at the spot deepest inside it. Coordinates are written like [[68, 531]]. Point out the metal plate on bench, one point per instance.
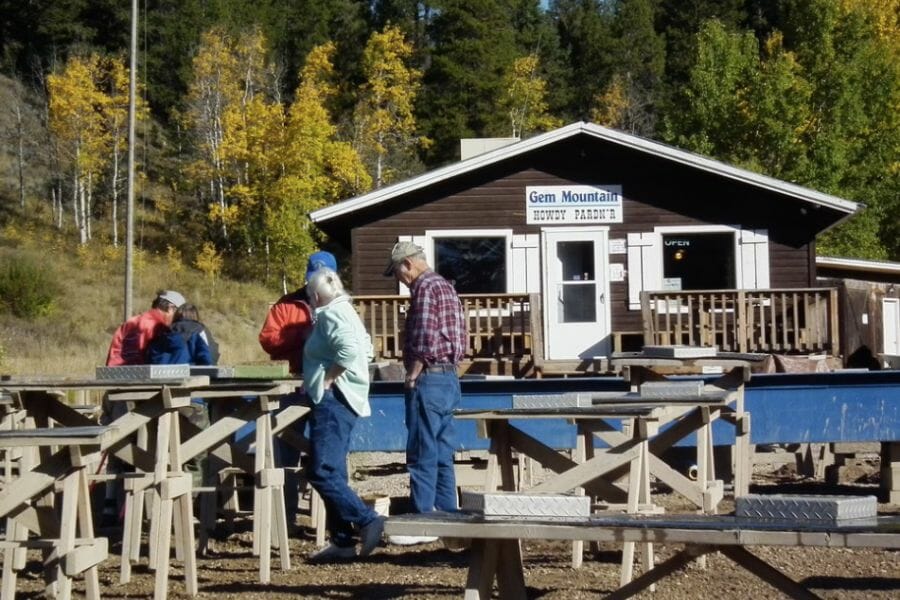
[[781, 507], [672, 390], [129, 372], [571, 400], [525, 504]]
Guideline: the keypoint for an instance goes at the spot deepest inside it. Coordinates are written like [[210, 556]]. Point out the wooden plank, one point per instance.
[[85, 556]]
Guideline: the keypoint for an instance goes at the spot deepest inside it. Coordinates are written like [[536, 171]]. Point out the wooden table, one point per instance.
[[233, 404], [632, 429], [496, 551], [735, 368], [155, 402], [27, 505]]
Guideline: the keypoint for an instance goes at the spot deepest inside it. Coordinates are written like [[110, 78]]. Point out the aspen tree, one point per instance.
[[525, 98], [384, 120], [75, 120]]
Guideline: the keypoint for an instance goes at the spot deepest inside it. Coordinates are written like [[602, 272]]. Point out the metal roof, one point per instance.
[[859, 264], [596, 131]]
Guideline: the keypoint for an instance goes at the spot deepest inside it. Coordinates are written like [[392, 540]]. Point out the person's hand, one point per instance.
[[327, 383], [409, 383]]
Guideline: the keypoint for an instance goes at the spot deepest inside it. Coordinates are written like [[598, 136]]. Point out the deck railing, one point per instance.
[[499, 324], [771, 321]]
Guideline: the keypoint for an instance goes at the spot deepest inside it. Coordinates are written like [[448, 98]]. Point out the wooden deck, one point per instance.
[[506, 330]]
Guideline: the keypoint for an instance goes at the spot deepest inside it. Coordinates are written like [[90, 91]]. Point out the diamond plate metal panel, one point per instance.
[[523, 504], [143, 372], [571, 400], [805, 508], [671, 390]]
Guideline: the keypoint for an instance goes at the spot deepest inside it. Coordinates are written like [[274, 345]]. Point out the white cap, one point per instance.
[[173, 297]]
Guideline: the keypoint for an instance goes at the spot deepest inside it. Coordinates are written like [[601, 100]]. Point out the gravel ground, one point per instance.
[[432, 571]]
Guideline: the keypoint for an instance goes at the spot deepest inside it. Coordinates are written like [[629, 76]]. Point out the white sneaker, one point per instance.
[[411, 540], [331, 553], [370, 536]]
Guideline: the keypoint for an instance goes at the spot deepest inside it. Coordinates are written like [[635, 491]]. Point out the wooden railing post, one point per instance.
[[647, 317], [834, 328], [742, 333]]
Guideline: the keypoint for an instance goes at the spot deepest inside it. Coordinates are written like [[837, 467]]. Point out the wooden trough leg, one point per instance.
[[767, 573], [495, 559], [659, 571]]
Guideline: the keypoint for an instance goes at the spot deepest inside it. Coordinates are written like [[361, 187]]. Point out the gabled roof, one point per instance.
[[596, 131]]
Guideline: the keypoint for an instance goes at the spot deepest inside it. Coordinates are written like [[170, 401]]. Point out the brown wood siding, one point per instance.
[[656, 192]]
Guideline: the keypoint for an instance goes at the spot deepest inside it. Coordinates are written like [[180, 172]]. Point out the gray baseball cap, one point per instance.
[[400, 251]]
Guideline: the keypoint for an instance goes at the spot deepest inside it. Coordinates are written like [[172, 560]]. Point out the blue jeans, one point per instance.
[[330, 426], [431, 441]]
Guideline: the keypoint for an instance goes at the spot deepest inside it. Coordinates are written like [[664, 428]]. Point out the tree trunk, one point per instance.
[[82, 227], [20, 154], [76, 214], [115, 192], [87, 205]]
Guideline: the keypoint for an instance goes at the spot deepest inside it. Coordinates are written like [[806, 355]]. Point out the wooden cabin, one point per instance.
[[576, 243], [869, 292]]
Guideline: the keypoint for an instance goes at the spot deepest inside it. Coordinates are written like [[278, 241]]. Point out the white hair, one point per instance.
[[326, 284]]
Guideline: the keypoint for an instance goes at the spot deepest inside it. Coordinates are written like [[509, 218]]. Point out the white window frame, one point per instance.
[[431, 234], [681, 229]]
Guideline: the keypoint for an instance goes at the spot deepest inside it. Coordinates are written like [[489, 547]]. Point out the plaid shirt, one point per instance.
[[435, 324]]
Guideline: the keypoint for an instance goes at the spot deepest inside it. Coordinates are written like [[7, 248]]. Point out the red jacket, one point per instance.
[[287, 326], [132, 339]]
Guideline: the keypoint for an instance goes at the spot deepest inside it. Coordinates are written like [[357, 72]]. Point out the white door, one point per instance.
[[891, 316], [576, 288]]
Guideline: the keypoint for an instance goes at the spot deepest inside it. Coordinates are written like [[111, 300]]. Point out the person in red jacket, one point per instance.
[[289, 321], [283, 336], [131, 340], [130, 345]]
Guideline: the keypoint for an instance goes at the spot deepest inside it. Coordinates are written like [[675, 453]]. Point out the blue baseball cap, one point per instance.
[[320, 260]]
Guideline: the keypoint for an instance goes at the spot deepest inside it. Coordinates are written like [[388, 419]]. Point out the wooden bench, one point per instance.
[[496, 552]]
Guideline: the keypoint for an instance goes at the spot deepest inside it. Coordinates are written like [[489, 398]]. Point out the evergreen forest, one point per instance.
[[252, 114]]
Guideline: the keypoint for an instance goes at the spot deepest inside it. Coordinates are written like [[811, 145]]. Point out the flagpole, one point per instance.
[[129, 207]]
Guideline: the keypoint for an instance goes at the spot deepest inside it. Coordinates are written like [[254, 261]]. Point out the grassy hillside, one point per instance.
[[72, 339]]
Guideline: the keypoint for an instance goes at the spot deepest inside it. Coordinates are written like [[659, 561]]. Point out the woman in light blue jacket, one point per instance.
[[336, 377]]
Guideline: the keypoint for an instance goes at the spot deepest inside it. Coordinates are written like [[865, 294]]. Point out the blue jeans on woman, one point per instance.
[[330, 426], [430, 441]]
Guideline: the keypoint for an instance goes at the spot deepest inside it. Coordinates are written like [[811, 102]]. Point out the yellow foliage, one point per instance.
[[227, 214], [525, 98], [85, 254], [209, 261], [611, 105], [113, 254], [173, 260], [384, 116]]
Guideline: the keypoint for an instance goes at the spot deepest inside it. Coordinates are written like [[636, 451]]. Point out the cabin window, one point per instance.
[[474, 265], [698, 261]]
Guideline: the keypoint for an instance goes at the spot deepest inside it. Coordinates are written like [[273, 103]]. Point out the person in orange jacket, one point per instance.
[[283, 335], [289, 321]]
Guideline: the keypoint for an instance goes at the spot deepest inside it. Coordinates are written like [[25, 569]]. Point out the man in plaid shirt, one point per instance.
[[435, 343]]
